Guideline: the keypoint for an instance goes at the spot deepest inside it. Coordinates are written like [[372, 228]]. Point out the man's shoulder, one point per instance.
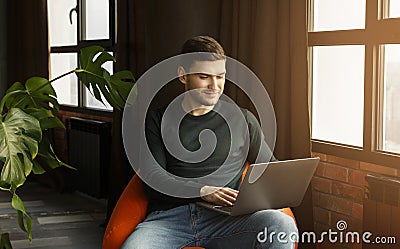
[[157, 111], [250, 118], [154, 115], [232, 108]]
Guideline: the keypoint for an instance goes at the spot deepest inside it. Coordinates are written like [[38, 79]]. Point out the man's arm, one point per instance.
[[153, 164], [259, 151]]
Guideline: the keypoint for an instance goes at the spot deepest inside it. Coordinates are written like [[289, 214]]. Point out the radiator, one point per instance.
[[382, 209], [89, 152]]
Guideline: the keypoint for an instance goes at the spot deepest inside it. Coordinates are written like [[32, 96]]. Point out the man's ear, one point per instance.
[[182, 75]]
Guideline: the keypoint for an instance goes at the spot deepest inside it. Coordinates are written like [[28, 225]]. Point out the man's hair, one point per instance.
[[202, 48], [202, 44]]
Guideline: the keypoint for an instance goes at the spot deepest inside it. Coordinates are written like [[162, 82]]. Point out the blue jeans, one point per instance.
[[192, 225]]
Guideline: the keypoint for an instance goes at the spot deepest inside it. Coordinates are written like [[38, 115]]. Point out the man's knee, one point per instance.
[[276, 221], [279, 231]]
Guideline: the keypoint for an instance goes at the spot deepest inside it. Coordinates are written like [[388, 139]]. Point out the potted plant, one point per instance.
[[29, 109]]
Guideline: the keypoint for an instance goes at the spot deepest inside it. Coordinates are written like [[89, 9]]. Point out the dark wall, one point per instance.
[[3, 50], [168, 26]]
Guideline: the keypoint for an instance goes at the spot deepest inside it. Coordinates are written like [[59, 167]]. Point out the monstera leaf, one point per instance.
[[46, 118], [33, 107], [23, 217], [37, 93], [5, 241], [20, 134], [37, 98], [47, 156], [114, 88], [119, 83]]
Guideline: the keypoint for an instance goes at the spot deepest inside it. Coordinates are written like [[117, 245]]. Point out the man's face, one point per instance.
[[205, 81]]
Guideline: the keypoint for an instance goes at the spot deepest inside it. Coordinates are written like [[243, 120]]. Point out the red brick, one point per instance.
[[336, 172], [348, 191], [320, 169], [321, 184], [321, 156], [328, 245], [356, 245], [315, 198], [357, 178], [356, 225], [322, 215], [357, 211], [352, 224], [320, 227], [343, 161], [334, 203], [378, 169], [336, 217]]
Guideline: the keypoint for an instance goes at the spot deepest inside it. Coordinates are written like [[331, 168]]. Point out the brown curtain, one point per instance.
[[3, 46], [130, 55], [270, 37], [27, 40]]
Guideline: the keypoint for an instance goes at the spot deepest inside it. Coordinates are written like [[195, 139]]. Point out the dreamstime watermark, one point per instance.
[[341, 236]]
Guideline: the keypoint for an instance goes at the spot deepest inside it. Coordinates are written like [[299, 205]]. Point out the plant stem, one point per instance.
[[61, 76], [42, 86], [51, 81]]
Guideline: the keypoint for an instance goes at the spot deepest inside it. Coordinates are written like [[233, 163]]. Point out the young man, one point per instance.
[[217, 139]]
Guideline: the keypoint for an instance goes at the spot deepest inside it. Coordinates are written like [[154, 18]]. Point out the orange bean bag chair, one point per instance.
[[130, 210]]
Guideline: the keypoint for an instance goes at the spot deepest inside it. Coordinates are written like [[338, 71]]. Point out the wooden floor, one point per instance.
[[69, 220]]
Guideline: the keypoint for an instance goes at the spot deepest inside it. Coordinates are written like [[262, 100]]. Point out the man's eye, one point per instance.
[[203, 76]]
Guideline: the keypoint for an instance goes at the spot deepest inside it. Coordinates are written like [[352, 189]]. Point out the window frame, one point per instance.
[[375, 34], [108, 44]]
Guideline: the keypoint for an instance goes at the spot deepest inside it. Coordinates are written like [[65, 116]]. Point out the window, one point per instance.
[[339, 74], [390, 100], [354, 54], [331, 15], [74, 24], [394, 8]]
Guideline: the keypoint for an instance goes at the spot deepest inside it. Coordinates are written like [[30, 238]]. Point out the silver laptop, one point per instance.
[[271, 185]]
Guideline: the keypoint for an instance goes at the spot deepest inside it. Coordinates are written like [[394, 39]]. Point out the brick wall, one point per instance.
[[338, 188]]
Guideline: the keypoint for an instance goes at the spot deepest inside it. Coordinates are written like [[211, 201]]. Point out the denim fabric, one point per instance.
[[192, 225]]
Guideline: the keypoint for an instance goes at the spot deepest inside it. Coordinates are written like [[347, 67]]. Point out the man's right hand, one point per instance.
[[219, 196]]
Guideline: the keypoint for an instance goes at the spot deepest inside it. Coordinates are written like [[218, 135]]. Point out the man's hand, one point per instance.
[[219, 196]]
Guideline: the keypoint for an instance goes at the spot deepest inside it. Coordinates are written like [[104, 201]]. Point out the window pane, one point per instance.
[[391, 102], [66, 87], [394, 8], [97, 20], [91, 101], [338, 94], [62, 32], [338, 14]]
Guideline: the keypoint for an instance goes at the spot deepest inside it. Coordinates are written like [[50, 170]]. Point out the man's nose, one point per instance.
[[213, 82]]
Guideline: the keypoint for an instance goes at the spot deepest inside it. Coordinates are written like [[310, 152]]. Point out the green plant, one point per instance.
[[29, 109]]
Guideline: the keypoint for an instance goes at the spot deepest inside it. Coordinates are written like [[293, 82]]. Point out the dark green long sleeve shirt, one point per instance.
[[227, 135]]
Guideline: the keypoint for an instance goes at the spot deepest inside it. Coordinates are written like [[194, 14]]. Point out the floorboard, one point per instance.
[[59, 220]]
